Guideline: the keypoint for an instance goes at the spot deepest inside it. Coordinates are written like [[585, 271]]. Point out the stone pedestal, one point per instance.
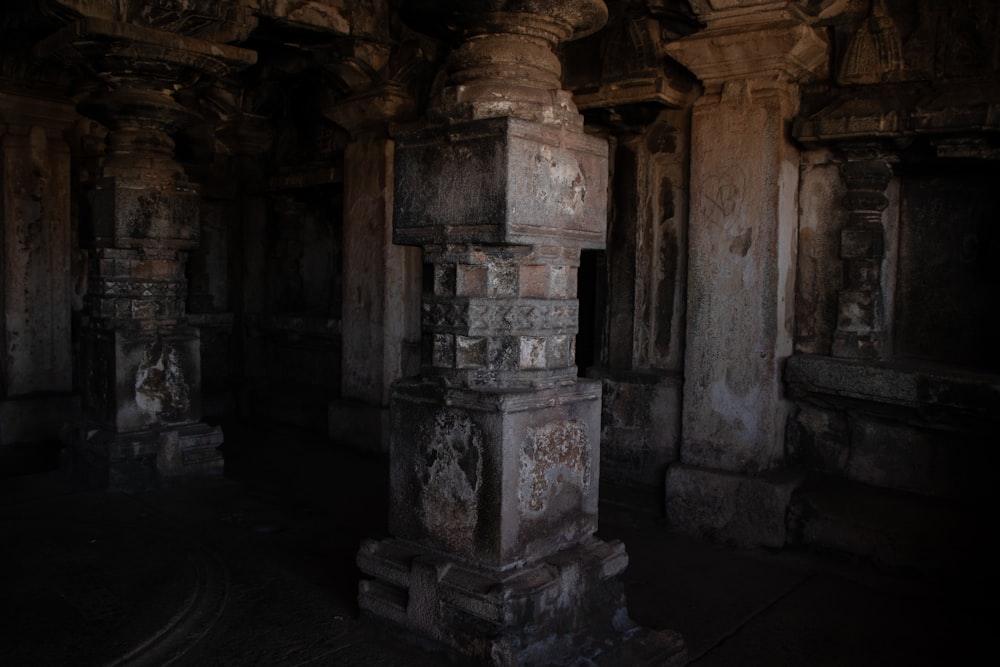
[[141, 375], [744, 187], [495, 447]]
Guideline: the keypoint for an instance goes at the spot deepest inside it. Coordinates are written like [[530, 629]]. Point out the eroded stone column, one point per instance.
[[744, 189], [494, 448], [861, 320], [141, 376]]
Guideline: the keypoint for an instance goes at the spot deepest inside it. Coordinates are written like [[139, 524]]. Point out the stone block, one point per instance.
[[500, 180], [640, 427], [728, 507], [912, 385], [496, 477], [818, 440], [189, 451], [157, 380], [129, 215]]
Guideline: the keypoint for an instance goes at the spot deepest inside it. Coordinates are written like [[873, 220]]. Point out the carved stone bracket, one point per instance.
[[634, 68], [768, 42], [505, 64]]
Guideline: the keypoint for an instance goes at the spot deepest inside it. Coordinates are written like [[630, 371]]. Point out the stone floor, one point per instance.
[[258, 569]]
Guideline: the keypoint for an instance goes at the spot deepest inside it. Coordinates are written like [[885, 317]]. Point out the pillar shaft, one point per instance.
[[861, 320], [381, 317], [494, 448], [742, 243]]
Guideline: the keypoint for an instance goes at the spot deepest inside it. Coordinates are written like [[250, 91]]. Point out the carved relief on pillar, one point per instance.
[[861, 318]]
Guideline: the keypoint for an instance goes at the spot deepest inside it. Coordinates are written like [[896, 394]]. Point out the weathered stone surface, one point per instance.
[[381, 281], [741, 244], [36, 299], [739, 509], [905, 384], [948, 280], [892, 529]]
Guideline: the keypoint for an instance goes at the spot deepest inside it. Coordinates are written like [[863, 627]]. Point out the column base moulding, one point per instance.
[[565, 608]]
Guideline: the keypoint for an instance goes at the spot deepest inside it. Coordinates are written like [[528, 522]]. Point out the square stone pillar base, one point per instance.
[[565, 609]]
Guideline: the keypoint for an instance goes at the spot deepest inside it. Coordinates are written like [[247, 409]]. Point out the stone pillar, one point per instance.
[[380, 323], [641, 357], [494, 448], [744, 189], [141, 376], [861, 319], [36, 369]]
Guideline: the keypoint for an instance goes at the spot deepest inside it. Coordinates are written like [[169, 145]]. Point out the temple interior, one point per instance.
[[469, 275]]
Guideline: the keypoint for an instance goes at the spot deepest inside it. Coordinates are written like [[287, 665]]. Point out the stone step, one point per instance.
[[891, 529]]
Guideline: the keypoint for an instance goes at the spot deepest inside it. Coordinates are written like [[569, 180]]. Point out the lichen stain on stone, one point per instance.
[[160, 386], [564, 175], [449, 468], [553, 456]]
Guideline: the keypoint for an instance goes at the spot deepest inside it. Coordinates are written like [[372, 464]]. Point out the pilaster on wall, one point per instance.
[[742, 243], [641, 353], [381, 304], [36, 369]]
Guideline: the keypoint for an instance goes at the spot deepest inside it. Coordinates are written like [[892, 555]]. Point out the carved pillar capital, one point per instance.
[[771, 44], [506, 64]]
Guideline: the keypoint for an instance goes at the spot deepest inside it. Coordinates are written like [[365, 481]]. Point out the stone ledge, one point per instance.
[[908, 384], [901, 110]]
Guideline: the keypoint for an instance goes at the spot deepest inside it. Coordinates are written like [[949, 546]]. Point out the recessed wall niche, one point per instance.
[[948, 289]]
